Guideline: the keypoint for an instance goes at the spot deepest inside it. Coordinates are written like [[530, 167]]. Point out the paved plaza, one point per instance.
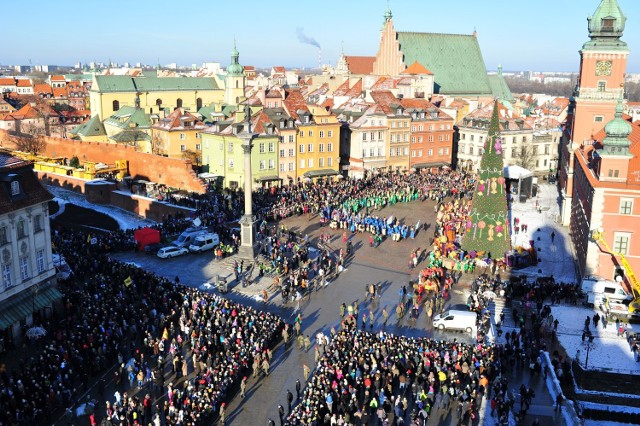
[[387, 264]]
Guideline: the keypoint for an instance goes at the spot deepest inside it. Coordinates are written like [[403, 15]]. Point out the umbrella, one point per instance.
[[489, 294], [206, 286], [36, 332]]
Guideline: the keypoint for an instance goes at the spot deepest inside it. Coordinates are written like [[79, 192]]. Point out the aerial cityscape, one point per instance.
[[371, 217]]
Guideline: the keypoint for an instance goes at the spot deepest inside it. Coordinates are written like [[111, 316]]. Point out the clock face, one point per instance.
[[603, 68]]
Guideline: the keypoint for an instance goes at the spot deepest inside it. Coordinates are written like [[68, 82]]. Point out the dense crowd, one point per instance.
[[116, 313], [388, 379]]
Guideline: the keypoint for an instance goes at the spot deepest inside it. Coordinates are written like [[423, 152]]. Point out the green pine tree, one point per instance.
[[488, 229]]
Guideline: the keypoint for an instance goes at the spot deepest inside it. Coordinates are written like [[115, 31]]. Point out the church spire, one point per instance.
[[387, 14], [606, 26], [235, 68]]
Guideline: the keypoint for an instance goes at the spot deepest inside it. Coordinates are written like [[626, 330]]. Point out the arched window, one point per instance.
[[116, 106], [237, 99], [237, 84], [159, 102], [179, 103], [198, 104]]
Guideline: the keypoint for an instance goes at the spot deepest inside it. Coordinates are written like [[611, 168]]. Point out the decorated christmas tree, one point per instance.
[[488, 227]]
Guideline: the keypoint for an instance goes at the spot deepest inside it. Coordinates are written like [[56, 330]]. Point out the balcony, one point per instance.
[[595, 94]]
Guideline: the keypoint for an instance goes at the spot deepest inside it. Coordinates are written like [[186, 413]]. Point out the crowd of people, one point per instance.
[[363, 377], [119, 314]]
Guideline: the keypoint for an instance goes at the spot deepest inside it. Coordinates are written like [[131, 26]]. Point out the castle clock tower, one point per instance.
[[603, 63]]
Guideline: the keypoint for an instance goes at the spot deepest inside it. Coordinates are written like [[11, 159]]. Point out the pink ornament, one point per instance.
[[482, 224]]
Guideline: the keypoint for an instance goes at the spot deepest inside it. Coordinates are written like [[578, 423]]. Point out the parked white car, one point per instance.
[[172, 251]]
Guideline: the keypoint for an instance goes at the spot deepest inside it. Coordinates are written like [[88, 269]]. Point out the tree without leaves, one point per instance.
[[521, 85], [526, 158], [32, 143], [195, 157]]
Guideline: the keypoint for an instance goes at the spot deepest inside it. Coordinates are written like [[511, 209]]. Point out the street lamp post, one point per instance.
[[34, 294], [588, 345]]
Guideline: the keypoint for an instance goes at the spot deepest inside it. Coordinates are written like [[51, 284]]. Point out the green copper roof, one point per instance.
[[235, 69], [92, 127], [617, 130], [606, 26], [155, 84], [130, 136], [499, 87], [82, 77], [128, 117], [455, 59], [125, 83], [113, 83]]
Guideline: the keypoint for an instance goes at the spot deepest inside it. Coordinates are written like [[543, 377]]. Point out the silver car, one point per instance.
[[172, 251]]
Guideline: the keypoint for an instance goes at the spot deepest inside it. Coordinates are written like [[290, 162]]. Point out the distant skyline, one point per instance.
[[544, 35]]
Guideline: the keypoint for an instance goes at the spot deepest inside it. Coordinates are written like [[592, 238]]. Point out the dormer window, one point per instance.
[[399, 111], [306, 119], [607, 24], [15, 188]]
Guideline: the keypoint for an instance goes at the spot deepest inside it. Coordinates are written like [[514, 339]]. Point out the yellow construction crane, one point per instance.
[[598, 237]]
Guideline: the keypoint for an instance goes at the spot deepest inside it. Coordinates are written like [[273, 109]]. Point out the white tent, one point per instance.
[[516, 172]]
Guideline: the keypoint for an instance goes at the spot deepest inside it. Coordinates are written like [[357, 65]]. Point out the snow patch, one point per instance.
[[126, 220]]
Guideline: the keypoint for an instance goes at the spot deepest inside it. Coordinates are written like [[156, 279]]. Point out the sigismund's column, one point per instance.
[[247, 248]]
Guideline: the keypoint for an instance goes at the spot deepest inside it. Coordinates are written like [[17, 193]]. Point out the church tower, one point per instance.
[[234, 81], [389, 58], [603, 63]]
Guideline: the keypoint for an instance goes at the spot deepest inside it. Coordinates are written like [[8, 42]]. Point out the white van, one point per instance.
[[188, 237], [204, 242], [597, 288], [456, 320]]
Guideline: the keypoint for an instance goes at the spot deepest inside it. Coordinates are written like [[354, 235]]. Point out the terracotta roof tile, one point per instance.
[[44, 88], [416, 68], [356, 89], [342, 89], [384, 83], [328, 103], [360, 64], [59, 92], [23, 82], [294, 102], [385, 98], [58, 78], [7, 81]]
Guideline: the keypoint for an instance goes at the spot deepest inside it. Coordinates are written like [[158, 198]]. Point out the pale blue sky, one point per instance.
[[542, 35]]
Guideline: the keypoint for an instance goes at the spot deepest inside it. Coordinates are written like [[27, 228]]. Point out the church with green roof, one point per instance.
[[454, 59]]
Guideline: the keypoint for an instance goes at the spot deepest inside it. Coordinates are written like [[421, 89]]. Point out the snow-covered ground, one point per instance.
[[541, 215], [125, 219], [608, 352]]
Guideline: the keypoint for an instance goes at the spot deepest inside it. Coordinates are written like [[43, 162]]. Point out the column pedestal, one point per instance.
[[247, 249]]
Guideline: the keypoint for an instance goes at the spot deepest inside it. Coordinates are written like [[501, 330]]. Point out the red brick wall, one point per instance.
[[67, 182], [172, 172], [142, 206], [146, 207]]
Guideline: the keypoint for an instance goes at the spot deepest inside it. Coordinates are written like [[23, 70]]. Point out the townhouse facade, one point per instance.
[[28, 276]]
